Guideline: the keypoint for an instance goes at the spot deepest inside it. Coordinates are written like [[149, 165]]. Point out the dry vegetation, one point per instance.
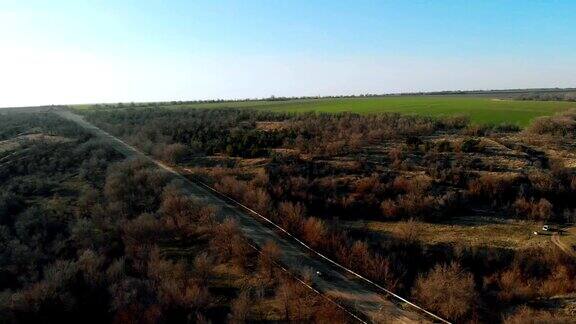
[[568, 237], [315, 173], [87, 237], [462, 230]]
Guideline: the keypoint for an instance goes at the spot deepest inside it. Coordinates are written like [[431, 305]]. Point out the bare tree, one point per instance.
[[269, 255], [447, 289]]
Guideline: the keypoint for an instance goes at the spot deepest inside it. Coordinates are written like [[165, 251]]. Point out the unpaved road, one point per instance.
[[363, 299], [563, 246]]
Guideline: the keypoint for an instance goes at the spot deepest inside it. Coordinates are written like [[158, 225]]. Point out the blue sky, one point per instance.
[[107, 51]]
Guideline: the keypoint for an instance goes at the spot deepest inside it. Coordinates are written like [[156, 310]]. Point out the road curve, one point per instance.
[[365, 300], [563, 246]]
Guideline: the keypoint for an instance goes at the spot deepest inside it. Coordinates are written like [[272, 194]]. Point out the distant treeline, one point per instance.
[[552, 96], [513, 93]]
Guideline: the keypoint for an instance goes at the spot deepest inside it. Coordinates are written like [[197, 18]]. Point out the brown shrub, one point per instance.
[[257, 199], [560, 281], [240, 307], [408, 231], [543, 182], [327, 312], [396, 154], [247, 193], [515, 287], [174, 286], [359, 254], [174, 153], [314, 231], [183, 213], [269, 255], [240, 253], [260, 179], [541, 210], [542, 272], [295, 299], [526, 315], [448, 290], [490, 186], [203, 267], [91, 264], [223, 238], [559, 125], [230, 186], [409, 205], [143, 230], [456, 121], [380, 269], [390, 209], [475, 130], [291, 215], [368, 185]]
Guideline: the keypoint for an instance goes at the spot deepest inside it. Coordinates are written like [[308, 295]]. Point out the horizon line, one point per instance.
[[287, 98]]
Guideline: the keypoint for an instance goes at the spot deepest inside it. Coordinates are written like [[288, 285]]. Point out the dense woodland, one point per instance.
[[86, 236], [307, 171]]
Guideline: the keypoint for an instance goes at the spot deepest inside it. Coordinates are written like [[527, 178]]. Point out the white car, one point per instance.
[[545, 228]]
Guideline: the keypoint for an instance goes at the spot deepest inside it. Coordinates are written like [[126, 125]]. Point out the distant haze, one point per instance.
[[63, 52]]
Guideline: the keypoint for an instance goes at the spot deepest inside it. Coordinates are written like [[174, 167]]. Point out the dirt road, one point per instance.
[[563, 246], [352, 292]]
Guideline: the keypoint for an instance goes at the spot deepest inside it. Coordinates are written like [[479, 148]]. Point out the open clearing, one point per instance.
[[468, 231], [16, 142], [480, 110]]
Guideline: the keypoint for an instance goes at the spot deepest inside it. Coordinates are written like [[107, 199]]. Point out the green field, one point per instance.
[[480, 110]]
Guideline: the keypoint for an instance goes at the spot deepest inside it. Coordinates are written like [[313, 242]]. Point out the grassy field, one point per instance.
[[469, 231], [480, 110]]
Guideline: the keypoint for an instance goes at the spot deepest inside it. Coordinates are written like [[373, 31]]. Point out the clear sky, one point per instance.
[[61, 52]]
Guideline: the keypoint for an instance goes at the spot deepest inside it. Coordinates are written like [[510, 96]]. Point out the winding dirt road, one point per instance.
[[359, 296]]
